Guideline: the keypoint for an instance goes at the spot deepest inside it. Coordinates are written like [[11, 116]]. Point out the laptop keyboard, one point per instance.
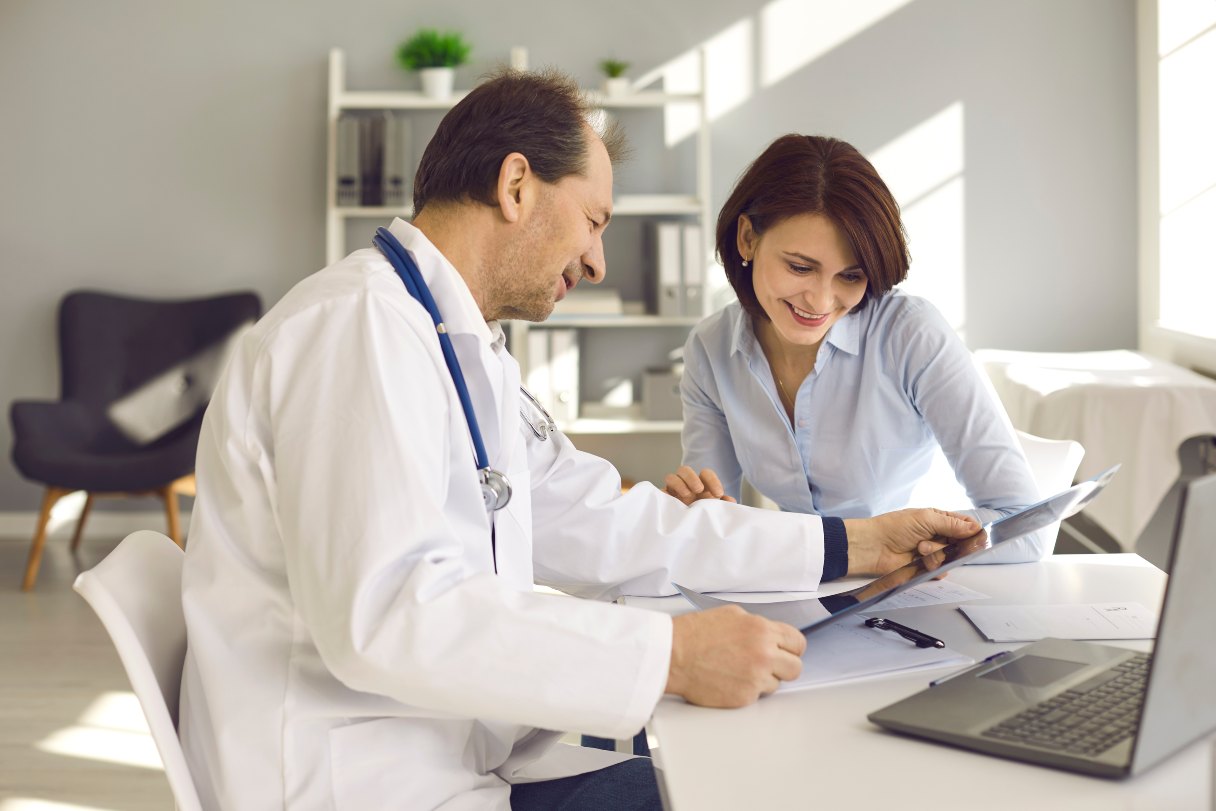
[[1086, 720]]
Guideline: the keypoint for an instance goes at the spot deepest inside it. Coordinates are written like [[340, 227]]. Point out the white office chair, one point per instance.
[[137, 593], [1053, 463]]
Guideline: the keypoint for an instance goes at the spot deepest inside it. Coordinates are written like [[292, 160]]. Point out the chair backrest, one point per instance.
[[1054, 463], [110, 344], [136, 593]]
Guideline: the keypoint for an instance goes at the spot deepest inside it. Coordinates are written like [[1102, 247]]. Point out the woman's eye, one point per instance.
[[800, 268], [853, 278]]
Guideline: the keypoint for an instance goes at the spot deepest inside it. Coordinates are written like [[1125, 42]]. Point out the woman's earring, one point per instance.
[[744, 263]]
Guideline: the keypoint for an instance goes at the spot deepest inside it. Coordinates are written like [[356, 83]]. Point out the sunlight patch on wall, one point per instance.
[[794, 33], [66, 511], [729, 79], [924, 168]]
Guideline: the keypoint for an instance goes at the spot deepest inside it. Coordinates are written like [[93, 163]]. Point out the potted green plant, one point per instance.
[[615, 83], [435, 55]]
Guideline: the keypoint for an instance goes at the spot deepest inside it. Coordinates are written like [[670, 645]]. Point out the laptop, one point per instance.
[[814, 613], [1086, 707]]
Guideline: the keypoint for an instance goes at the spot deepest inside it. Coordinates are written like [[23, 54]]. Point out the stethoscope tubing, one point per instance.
[[412, 277]]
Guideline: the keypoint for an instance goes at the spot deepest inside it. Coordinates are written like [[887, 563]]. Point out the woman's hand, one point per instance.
[[689, 486]]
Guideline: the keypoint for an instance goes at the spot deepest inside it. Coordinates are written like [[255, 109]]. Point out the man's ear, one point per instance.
[[745, 238], [514, 179]]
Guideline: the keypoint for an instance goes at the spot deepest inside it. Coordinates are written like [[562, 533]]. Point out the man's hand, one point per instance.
[[878, 545], [689, 486], [726, 657]]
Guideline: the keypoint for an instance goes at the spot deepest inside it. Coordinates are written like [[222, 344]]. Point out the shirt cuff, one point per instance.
[[835, 549]]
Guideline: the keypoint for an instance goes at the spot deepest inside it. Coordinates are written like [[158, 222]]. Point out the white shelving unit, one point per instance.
[[692, 207]]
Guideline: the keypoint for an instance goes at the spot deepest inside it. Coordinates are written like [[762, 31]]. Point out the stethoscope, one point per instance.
[[495, 487]]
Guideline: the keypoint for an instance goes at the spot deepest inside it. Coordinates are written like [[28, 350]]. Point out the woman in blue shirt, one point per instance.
[[824, 387]]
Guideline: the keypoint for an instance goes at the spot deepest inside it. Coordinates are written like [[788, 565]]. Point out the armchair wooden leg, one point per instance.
[[84, 514], [168, 494], [49, 500]]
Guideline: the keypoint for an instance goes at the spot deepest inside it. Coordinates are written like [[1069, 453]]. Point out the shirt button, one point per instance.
[[801, 423]]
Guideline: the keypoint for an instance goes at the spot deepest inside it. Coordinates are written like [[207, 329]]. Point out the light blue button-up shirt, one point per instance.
[[891, 382]]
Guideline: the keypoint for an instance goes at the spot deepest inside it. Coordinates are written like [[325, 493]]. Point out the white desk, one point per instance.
[[1121, 406], [815, 749]]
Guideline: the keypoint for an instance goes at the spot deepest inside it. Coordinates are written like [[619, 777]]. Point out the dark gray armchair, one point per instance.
[[135, 377]]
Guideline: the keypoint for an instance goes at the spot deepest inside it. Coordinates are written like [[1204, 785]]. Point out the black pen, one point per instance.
[[922, 640]]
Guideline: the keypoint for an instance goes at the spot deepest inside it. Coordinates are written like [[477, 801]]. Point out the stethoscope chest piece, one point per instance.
[[495, 489]]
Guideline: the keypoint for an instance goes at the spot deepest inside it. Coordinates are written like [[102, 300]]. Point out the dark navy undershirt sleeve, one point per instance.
[[835, 549]]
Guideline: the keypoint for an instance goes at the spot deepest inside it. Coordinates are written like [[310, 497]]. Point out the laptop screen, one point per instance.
[[817, 612]]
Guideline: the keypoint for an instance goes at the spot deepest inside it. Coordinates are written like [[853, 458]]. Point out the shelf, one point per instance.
[[621, 426], [357, 212], [601, 320], [655, 204], [624, 205], [390, 100], [413, 100], [642, 98]]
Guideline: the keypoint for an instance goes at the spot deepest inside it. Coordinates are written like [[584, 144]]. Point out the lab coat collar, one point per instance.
[[845, 334], [452, 294]]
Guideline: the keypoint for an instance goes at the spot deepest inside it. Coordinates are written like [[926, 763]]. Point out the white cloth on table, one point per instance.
[[1122, 406]]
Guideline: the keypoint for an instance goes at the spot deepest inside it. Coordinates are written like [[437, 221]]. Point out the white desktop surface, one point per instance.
[[814, 748]]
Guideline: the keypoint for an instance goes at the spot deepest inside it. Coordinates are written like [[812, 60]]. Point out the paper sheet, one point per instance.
[[935, 592], [849, 650], [1029, 623]]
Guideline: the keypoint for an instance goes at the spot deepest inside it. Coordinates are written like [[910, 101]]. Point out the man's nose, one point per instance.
[[595, 266]]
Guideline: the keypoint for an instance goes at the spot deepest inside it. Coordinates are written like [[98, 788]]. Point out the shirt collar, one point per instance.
[[452, 295], [844, 335]]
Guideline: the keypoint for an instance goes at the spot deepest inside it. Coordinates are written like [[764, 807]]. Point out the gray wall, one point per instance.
[[172, 150]]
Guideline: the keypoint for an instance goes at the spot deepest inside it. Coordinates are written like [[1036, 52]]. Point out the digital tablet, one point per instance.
[[818, 612]]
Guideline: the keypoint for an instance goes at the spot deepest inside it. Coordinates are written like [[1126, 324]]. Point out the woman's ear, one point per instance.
[[745, 238], [514, 174]]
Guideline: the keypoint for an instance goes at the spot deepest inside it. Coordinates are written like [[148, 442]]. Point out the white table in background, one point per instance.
[[814, 748], [1122, 406]]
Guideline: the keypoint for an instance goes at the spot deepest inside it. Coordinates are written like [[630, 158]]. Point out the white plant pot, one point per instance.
[[437, 83], [616, 86]]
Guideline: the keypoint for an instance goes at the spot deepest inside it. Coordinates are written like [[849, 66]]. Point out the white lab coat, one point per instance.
[[350, 646]]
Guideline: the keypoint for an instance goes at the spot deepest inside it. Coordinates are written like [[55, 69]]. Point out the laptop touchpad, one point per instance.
[[1033, 671]]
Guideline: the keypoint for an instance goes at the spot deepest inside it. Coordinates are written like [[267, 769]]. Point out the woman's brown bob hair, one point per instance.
[[812, 174]]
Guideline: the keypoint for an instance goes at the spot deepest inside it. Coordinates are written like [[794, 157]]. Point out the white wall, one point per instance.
[[175, 150]]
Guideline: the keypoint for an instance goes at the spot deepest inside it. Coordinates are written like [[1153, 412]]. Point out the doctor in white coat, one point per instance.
[[362, 632]]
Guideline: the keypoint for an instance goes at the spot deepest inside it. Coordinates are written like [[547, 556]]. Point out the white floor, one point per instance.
[[72, 737]]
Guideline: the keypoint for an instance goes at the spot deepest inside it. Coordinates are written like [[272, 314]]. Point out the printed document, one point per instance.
[[1029, 623]]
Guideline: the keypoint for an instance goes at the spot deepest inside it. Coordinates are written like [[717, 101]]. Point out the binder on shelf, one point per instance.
[[371, 158], [396, 161], [693, 281], [563, 374], [348, 192], [668, 271]]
